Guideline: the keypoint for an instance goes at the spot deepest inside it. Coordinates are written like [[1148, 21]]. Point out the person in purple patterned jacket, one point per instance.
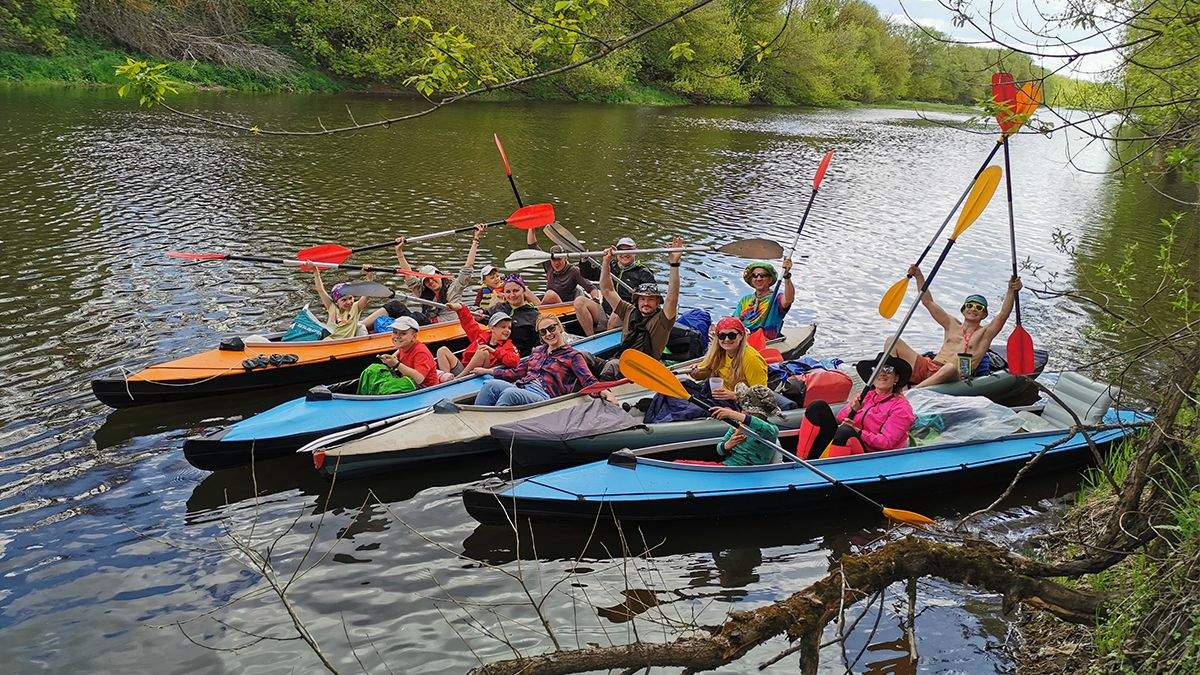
[[555, 368]]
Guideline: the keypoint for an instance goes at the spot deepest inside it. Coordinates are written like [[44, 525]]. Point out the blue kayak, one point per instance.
[[281, 430], [647, 485]]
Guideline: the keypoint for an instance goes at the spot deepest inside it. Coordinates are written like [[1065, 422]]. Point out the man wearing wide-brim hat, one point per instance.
[[765, 308], [646, 322]]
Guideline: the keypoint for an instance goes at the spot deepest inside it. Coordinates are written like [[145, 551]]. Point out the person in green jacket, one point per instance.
[[757, 403]]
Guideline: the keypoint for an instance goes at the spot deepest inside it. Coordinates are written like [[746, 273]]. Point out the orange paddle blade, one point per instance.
[[647, 372], [334, 253], [890, 302], [532, 216], [978, 199], [189, 255], [1020, 352], [907, 517], [821, 170]]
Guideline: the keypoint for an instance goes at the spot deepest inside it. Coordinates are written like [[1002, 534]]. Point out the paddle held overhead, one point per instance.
[[760, 249]]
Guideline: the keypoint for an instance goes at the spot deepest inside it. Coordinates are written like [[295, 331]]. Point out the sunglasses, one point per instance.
[[729, 336], [975, 306], [552, 328], [760, 276]]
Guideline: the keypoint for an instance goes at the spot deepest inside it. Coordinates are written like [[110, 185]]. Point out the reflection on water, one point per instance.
[[107, 532]]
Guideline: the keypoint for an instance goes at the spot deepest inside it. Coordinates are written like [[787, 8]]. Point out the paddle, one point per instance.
[[508, 170], [524, 218], [369, 289], [980, 195], [303, 264], [1020, 343], [895, 294], [646, 372], [743, 248]]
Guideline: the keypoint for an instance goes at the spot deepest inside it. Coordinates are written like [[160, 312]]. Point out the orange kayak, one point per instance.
[[240, 365]]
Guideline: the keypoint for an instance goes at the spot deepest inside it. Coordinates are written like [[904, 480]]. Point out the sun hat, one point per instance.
[[757, 400], [626, 241], [338, 291], [903, 370], [729, 323], [497, 318], [648, 290], [975, 298], [759, 264], [487, 269], [405, 323]]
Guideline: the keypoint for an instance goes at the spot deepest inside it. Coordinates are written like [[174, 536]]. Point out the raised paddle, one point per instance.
[[646, 372], [524, 218], [370, 289], [308, 264], [1020, 343], [508, 169], [895, 294], [980, 195], [743, 248]]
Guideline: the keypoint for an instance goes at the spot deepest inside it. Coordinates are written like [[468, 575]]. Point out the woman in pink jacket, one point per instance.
[[877, 419]]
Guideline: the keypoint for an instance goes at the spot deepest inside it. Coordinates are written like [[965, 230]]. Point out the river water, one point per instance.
[[116, 555]]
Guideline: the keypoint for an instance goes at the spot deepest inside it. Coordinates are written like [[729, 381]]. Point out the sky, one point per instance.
[[1011, 16]]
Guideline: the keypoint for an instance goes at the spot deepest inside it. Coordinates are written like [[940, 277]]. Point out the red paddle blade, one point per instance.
[[821, 170], [1004, 95], [1020, 352], [601, 386], [189, 255], [758, 340], [532, 216], [333, 253], [771, 355], [503, 157]]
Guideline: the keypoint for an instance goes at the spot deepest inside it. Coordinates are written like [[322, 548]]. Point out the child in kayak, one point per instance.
[[730, 360], [343, 309], [524, 314], [491, 292], [553, 369], [756, 310], [739, 448], [435, 288], [409, 368], [877, 419], [966, 338], [490, 347]]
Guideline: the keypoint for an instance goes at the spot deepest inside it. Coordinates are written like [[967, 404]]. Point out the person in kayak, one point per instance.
[[524, 314], [438, 288], [877, 419], [554, 369], [342, 309], [411, 366], [960, 339], [645, 327], [730, 360], [490, 347], [765, 308], [628, 274], [491, 291], [563, 284], [757, 403]]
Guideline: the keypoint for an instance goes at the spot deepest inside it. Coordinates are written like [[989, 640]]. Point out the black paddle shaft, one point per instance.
[[978, 173], [1012, 228]]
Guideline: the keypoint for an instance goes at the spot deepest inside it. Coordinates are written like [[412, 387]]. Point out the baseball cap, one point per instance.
[[626, 241], [405, 323], [487, 269], [497, 318], [428, 269]]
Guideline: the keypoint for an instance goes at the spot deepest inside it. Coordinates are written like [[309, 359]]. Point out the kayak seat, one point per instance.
[[1088, 399]]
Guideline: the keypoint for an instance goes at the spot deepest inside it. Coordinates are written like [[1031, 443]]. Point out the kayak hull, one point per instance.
[[283, 429], [632, 488], [456, 428], [219, 372]]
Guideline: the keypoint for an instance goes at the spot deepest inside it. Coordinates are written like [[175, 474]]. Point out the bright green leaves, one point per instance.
[[450, 64], [682, 51], [36, 24], [560, 27], [147, 83]]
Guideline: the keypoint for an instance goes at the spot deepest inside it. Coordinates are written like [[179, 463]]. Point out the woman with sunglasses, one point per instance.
[[765, 308], [524, 313], [731, 360], [553, 369], [877, 419]]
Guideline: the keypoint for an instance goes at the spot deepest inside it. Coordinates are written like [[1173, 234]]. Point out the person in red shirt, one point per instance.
[[490, 347], [412, 365]]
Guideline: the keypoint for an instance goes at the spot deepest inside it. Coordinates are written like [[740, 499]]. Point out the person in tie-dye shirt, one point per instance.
[[765, 308]]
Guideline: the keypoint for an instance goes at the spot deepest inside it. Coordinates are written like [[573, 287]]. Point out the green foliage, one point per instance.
[[450, 62], [147, 83], [35, 25]]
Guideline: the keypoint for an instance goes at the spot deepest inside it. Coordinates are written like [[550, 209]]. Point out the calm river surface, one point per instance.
[[108, 537]]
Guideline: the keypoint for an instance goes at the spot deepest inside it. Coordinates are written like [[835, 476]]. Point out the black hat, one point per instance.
[[903, 370]]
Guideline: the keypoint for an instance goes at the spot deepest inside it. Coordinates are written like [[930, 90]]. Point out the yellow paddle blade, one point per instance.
[[892, 299], [977, 201], [646, 372], [908, 517]]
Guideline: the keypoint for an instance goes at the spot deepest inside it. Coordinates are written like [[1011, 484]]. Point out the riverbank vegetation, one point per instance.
[[820, 52]]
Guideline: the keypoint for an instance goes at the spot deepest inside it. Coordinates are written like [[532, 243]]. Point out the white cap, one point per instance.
[[405, 323], [497, 318], [427, 269], [626, 241], [487, 269]]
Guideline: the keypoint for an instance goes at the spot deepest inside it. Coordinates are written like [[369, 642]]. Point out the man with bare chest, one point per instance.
[[964, 337]]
